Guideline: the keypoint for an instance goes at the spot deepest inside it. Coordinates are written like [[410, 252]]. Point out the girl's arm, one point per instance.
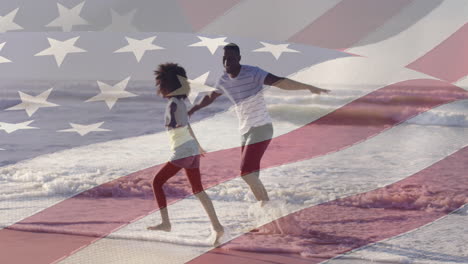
[[207, 99], [202, 151], [173, 122]]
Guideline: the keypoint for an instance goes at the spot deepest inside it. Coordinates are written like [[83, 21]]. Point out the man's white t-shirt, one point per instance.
[[246, 92]]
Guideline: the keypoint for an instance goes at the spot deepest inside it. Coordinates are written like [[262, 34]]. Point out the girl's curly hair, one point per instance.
[[168, 72]]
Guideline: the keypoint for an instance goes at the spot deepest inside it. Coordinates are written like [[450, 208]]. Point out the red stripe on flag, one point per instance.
[[449, 60], [202, 12], [336, 227], [361, 119], [95, 213], [44, 239], [348, 22]]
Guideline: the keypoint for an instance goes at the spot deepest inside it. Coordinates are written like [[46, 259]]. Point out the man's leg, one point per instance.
[[254, 145], [257, 187]]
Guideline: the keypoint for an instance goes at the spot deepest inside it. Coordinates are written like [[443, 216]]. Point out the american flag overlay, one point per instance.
[[372, 172]]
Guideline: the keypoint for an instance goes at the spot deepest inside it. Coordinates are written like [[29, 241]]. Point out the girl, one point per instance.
[[173, 85]]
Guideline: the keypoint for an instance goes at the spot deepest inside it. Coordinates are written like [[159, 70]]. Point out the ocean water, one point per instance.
[[142, 117], [57, 169]]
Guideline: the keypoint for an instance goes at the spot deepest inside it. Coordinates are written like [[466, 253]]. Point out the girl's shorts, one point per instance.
[[186, 155]]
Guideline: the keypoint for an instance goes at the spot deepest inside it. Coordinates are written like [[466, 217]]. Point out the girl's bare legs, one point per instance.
[[164, 174], [208, 206], [197, 188], [165, 225]]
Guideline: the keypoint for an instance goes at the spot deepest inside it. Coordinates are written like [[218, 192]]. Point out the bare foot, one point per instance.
[[219, 233], [161, 227], [263, 203]]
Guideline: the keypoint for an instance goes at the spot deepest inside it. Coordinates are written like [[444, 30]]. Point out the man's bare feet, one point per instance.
[[161, 227], [219, 232]]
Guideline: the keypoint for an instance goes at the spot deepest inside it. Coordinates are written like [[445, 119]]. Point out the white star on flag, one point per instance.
[[68, 17], [110, 94], [6, 22], [11, 127], [275, 49], [32, 103], [2, 59], [121, 23], [139, 47], [60, 49], [198, 86], [84, 129], [463, 83], [211, 43]]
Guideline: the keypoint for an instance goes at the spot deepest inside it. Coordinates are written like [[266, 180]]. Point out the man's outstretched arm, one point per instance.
[[207, 99], [288, 84]]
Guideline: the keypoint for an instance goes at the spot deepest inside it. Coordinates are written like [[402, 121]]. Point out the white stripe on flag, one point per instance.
[[343, 25], [419, 38], [356, 73], [268, 19], [201, 13]]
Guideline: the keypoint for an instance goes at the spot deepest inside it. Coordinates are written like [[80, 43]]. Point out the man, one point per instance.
[[243, 84]]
